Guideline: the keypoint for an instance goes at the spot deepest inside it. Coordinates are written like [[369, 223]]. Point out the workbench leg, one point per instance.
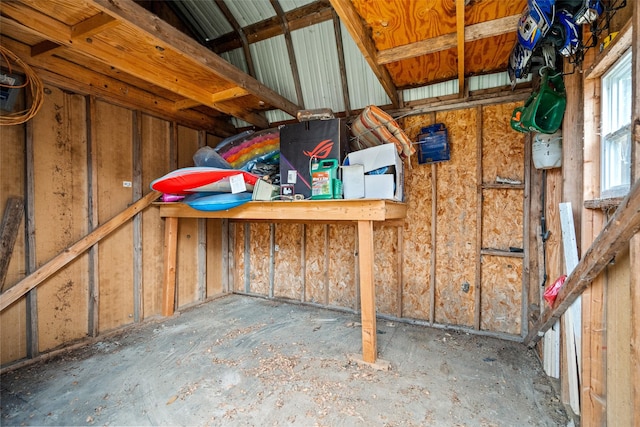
[[367, 291], [170, 255]]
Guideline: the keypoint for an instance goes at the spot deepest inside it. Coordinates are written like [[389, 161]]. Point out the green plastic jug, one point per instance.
[[323, 179]]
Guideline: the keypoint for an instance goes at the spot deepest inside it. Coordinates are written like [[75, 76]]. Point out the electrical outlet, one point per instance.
[[126, 184]]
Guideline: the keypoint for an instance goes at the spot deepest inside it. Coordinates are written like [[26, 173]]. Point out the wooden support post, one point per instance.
[[170, 256], [367, 291], [13, 213], [477, 318], [434, 229]]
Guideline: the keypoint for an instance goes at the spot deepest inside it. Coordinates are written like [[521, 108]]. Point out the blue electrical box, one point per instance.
[[433, 144]]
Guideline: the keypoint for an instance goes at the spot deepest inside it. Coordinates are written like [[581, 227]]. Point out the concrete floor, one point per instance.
[[247, 361]]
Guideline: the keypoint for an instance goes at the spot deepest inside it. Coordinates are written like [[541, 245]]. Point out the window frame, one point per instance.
[[610, 135]]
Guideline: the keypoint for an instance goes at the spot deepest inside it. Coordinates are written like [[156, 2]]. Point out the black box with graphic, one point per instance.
[[299, 142]]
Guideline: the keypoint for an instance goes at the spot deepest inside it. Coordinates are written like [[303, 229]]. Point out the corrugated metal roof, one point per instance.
[[271, 61], [236, 57], [205, 17], [318, 66], [288, 5], [364, 87], [250, 12], [431, 91]]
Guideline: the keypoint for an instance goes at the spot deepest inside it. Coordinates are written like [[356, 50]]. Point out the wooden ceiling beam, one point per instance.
[[165, 77], [94, 25], [152, 64], [138, 18], [57, 71], [460, 41], [225, 95], [350, 18], [482, 30], [86, 28], [302, 17]]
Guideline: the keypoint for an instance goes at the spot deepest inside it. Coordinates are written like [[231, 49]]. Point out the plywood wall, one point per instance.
[[13, 340], [155, 157], [288, 273], [114, 150], [417, 231], [418, 274], [188, 229], [60, 206]]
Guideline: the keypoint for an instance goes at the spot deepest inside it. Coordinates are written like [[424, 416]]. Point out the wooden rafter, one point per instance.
[[473, 32], [350, 18], [304, 16], [460, 42], [292, 55], [240, 33]]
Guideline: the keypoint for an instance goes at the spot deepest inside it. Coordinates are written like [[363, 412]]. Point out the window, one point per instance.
[[615, 166]]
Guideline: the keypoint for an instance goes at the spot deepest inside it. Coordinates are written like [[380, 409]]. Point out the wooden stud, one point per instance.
[[303, 263], [434, 230], [367, 291], [526, 226], [138, 303], [226, 261], [272, 259], [32, 295], [170, 256], [327, 258], [460, 41], [247, 258], [92, 206], [399, 267], [478, 276]]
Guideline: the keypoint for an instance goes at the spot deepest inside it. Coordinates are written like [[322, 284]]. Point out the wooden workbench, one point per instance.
[[362, 211]]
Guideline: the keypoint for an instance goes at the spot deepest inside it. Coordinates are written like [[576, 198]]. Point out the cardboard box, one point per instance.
[[385, 186], [323, 139], [353, 181]]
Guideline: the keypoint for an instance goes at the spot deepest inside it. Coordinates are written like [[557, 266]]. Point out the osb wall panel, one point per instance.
[[501, 294], [342, 264], [155, 148], [288, 263], [456, 221], [13, 341], [417, 248], [60, 214], [187, 267], [315, 270], [502, 218], [259, 257], [115, 252], [385, 269], [502, 147]]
